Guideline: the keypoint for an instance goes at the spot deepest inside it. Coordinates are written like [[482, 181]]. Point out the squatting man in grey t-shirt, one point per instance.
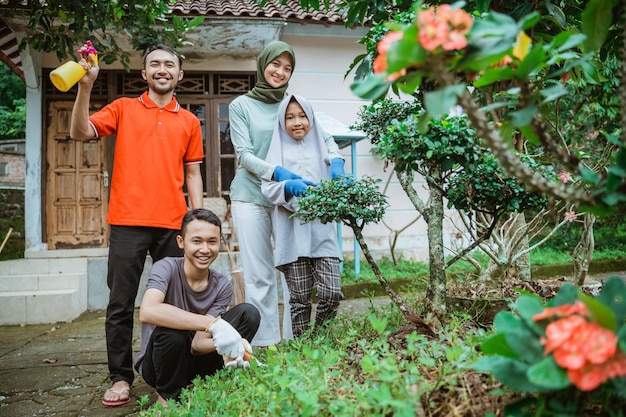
[[186, 329]]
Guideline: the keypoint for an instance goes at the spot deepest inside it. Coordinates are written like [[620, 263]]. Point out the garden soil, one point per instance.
[[60, 369]]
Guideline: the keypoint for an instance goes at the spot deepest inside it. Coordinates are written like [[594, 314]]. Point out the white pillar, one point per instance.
[[31, 65]]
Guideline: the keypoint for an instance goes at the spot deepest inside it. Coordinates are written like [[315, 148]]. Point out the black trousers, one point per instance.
[[128, 248], [169, 366]]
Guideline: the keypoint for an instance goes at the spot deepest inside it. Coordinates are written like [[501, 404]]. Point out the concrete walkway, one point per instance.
[[61, 369]]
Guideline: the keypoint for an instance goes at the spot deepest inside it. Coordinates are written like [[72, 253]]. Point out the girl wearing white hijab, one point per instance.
[[308, 254], [252, 117]]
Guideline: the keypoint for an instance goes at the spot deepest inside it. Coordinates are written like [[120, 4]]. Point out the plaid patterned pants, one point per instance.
[[301, 276]]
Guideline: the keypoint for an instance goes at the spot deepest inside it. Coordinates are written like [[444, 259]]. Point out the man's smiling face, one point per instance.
[[162, 71], [200, 244]]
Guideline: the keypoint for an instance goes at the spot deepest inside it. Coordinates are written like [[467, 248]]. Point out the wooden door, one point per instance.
[[77, 186]]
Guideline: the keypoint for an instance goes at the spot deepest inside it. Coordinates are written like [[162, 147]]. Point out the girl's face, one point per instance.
[[296, 121], [278, 71]]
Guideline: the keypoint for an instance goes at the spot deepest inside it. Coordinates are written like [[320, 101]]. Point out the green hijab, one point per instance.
[[262, 91]]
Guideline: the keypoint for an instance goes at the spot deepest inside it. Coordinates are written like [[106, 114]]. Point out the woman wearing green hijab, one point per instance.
[[252, 118]]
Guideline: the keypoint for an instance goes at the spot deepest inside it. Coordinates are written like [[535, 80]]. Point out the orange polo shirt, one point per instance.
[[151, 148]]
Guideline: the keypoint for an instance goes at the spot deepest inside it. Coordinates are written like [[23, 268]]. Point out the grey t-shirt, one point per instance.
[[168, 276]]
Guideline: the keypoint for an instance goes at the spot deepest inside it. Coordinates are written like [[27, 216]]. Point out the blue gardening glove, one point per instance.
[[227, 340], [282, 174], [336, 168], [297, 187]]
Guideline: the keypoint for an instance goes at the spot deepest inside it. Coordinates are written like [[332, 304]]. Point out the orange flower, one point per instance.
[[600, 344], [564, 310], [616, 366], [380, 62], [591, 376], [560, 331], [445, 28], [586, 378]]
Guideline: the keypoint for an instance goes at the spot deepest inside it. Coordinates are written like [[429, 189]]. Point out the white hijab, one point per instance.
[[308, 157]]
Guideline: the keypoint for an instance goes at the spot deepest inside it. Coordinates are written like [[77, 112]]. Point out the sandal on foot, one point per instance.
[[119, 401]]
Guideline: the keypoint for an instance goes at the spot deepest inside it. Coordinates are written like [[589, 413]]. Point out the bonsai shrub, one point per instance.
[[354, 203]]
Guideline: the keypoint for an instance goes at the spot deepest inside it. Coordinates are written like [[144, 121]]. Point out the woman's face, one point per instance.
[[278, 71]]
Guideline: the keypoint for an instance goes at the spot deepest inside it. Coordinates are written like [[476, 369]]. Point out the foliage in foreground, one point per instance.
[[570, 353], [375, 364], [357, 367]]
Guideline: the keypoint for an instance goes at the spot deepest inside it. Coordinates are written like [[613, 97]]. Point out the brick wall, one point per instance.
[[12, 169]]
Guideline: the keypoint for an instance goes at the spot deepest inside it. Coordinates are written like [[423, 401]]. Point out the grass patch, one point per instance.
[[409, 269], [361, 365]]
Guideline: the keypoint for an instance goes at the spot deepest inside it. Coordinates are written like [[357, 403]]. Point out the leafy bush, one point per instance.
[[359, 367], [569, 355]]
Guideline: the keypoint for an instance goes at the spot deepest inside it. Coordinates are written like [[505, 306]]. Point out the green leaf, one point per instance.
[[440, 102], [613, 295], [567, 40], [596, 20], [591, 73], [554, 92], [379, 324], [533, 62], [557, 13], [567, 294], [529, 21], [547, 374], [510, 372], [373, 87], [525, 344], [528, 306], [523, 117], [489, 40], [599, 312], [530, 134], [505, 321], [492, 75], [405, 51], [497, 345], [588, 175]]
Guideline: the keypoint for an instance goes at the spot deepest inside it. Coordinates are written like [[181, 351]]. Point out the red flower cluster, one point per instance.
[[380, 62], [588, 351], [445, 27]]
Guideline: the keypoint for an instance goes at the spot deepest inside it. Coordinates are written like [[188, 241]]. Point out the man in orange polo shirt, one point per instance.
[[158, 148]]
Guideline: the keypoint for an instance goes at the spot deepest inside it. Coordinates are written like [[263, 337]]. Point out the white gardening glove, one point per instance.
[[243, 362], [226, 339]]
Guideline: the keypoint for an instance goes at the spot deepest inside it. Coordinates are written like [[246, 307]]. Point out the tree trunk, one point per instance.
[[437, 284], [522, 264], [408, 313], [583, 252]]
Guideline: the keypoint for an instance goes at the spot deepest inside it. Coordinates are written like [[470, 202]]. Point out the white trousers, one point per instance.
[[253, 226]]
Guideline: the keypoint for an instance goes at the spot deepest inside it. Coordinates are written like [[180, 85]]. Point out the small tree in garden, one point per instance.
[[569, 357], [484, 193], [435, 155], [453, 166], [354, 203]]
